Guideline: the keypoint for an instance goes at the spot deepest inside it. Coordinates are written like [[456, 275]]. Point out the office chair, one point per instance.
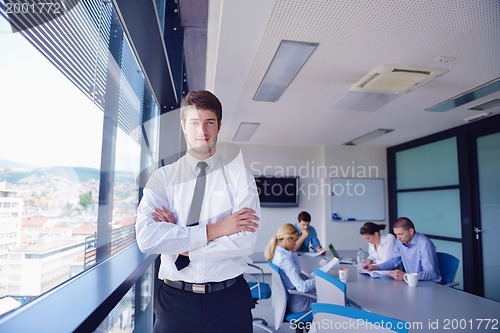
[[260, 290], [329, 289], [279, 297], [338, 318], [448, 265]]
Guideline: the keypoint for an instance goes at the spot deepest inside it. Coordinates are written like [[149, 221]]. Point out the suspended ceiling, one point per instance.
[[355, 37]]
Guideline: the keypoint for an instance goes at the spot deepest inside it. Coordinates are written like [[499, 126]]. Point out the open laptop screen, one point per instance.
[[335, 254], [333, 251]]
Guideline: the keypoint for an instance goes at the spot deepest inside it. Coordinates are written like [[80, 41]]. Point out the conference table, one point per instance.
[[429, 307]]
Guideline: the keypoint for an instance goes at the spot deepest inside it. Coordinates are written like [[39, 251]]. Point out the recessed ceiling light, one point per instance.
[[467, 97], [368, 136], [477, 117], [287, 62], [245, 131], [486, 106]]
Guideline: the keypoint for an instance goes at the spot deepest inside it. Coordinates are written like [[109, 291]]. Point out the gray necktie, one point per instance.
[[194, 212]]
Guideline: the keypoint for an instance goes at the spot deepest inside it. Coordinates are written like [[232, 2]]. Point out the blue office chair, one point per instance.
[[260, 290], [279, 297], [329, 289], [448, 265], [336, 318]]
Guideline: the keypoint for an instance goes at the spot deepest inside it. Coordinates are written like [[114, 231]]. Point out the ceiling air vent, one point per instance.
[[396, 79]]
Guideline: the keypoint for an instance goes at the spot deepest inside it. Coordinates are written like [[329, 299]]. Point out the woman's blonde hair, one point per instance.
[[287, 230]]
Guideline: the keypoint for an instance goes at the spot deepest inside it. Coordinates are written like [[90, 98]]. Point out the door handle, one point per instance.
[[477, 231]]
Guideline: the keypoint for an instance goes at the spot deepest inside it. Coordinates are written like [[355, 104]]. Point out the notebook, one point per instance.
[[343, 260]]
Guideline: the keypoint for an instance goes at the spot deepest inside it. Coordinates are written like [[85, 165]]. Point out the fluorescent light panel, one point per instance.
[[245, 131], [287, 62], [477, 117], [368, 136], [486, 106], [467, 97]]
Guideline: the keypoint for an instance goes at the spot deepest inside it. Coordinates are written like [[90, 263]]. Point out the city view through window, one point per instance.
[[50, 168]]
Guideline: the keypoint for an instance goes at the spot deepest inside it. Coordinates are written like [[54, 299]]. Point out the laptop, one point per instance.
[[342, 260]]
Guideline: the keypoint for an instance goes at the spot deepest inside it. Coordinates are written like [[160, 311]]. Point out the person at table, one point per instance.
[[414, 250], [279, 252], [380, 245], [308, 236]]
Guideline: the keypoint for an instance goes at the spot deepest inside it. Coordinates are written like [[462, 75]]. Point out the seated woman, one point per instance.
[[380, 245], [279, 252]]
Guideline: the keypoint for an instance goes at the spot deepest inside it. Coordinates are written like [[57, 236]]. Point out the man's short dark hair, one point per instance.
[[405, 223], [204, 100], [304, 216]]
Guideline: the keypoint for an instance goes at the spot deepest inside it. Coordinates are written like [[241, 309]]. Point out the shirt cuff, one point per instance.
[[198, 242]]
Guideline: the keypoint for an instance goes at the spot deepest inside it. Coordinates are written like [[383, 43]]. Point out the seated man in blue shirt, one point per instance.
[[414, 250], [308, 237]]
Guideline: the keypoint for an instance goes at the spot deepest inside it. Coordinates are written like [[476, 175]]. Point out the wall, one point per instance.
[[315, 166], [353, 162], [272, 160]]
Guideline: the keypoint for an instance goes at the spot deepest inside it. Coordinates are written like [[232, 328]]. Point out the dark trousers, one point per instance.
[[227, 310]]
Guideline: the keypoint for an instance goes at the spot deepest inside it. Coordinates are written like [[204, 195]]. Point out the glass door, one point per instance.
[[487, 228]]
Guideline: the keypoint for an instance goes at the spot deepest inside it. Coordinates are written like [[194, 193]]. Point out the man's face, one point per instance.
[[201, 129], [304, 225], [403, 235]]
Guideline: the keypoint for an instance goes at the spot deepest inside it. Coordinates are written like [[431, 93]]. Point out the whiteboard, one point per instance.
[[358, 198]]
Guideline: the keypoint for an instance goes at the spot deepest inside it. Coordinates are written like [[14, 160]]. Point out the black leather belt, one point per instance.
[[202, 288]]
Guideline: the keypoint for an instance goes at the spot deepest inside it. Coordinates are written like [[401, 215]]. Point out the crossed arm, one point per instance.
[[242, 220]]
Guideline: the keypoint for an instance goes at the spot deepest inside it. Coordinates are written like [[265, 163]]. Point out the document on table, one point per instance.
[[314, 254], [329, 265], [375, 274]]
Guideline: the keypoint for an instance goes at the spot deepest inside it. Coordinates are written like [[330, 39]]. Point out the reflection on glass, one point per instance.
[[488, 156], [129, 314], [431, 165], [433, 212]]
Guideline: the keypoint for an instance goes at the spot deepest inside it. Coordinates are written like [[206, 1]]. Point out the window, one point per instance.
[[72, 147], [428, 192]]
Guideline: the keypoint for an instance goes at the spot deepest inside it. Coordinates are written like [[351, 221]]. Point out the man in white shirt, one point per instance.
[[208, 292]]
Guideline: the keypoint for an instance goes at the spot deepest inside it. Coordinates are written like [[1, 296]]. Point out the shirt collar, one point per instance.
[[413, 241], [193, 161]]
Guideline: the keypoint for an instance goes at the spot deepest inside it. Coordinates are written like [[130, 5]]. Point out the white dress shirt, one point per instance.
[[288, 262], [384, 251], [229, 187]]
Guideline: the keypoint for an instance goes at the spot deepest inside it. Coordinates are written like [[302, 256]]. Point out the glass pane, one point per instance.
[[488, 151], [432, 212], [125, 317], [50, 149], [455, 249], [430, 165], [59, 218], [126, 194]]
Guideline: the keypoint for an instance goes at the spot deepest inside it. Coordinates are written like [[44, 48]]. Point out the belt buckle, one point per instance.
[[199, 288]]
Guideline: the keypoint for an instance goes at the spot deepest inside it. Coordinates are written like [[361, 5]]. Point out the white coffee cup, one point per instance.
[[343, 274], [411, 279]]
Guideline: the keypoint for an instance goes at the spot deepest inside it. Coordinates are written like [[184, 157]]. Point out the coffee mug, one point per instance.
[[411, 279], [343, 274]]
